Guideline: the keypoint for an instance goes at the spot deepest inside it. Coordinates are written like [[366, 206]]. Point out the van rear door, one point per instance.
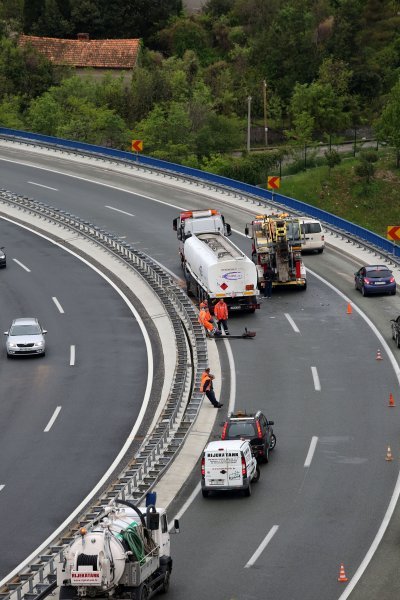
[[216, 468]]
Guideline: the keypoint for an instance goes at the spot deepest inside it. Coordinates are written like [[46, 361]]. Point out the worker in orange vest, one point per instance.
[[221, 314], [208, 389], [206, 320], [204, 376]]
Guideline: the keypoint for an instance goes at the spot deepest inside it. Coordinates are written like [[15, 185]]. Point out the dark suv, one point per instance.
[[255, 428]]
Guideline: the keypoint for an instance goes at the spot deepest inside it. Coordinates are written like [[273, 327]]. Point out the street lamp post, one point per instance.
[[265, 111], [248, 122]]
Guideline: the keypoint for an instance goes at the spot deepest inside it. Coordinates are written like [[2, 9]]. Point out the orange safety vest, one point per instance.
[[204, 317], [208, 378], [221, 311], [204, 376]]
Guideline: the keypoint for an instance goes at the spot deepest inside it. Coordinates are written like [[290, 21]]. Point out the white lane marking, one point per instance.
[[53, 418], [135, 428], [232, 392], [2, 487], [262, 546], [293, 324], [72, 356], [374, 546], [317, 383], [56, 302], [21, 265], [106, 185], [186, 505], [120, 211], [311, 450], [43, 186]]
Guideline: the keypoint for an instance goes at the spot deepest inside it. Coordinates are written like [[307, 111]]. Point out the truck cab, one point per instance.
[[193, 222], [228, 465]]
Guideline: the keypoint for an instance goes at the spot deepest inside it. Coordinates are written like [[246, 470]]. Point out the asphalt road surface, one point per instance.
[[312, 368], [48, 468]]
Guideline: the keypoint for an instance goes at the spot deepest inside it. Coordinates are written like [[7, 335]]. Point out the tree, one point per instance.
[[332, 159], [45, 115], [31, 14], [366, 168], [388, 125], [10, 113], [322, 103], [53, 20]]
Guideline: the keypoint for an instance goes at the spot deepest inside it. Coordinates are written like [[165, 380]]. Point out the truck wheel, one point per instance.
[[247, 491], [204, 493], [257, 475], [144, 593], [165, 586], [67, 592]]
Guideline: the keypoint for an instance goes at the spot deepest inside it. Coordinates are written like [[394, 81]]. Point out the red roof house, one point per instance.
[[84, 53]]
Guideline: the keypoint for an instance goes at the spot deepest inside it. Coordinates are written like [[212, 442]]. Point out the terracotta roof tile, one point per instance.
[[105, 54]]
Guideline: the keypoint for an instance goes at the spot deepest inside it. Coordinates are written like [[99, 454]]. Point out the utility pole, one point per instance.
[[248, 122], [265, 111]]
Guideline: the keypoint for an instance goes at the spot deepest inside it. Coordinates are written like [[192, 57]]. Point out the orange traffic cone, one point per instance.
[[349, 309], [379, 355], [342, 574], [389, 454], [391, 400]]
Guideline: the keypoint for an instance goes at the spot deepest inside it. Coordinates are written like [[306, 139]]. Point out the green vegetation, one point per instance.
[[345, 194], [317, 69]]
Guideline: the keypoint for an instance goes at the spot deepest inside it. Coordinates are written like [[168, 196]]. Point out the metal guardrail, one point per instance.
[[341, 226], [177, 416]]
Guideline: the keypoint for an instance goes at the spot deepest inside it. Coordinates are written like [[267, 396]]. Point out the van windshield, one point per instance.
[[311, 228], [237, 430]]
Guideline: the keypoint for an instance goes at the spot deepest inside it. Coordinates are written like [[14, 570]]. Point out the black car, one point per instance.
[[253, 427], [3, 259]]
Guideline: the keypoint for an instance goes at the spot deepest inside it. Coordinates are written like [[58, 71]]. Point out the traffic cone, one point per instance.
[[349, 309], [391, 400], [379, 355], [389, 454], [342, 574]]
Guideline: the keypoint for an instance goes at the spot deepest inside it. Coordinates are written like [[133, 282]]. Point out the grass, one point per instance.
[[374, 206]]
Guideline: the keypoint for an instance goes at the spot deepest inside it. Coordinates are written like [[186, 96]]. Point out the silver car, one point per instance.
[[25, 337]]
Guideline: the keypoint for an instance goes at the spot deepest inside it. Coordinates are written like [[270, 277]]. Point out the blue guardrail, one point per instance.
[[262, 194]]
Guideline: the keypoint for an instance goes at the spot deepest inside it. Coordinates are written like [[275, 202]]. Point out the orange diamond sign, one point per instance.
[[274, 183], [137, 145], [393, 232]]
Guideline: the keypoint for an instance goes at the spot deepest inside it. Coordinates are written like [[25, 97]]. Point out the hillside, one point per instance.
[[374, 206]]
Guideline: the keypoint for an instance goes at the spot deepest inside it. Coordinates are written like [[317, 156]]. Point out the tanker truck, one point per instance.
[[213, 266], [126, 554]]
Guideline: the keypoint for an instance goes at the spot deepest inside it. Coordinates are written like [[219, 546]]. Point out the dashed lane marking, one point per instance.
[[311, 450], [293, 324], [56, 302], [53, 418], [317, 383], [262, 546], [43, 186], [120, 211], [21, 265]]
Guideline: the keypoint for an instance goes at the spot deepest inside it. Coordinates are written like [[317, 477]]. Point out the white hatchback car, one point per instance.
[[25, 337]]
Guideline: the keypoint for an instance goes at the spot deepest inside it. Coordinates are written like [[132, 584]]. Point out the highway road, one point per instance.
[[63, 419], [312, 368]]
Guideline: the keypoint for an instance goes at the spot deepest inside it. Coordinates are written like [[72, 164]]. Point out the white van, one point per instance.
[[228, 465], [312, 235]]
